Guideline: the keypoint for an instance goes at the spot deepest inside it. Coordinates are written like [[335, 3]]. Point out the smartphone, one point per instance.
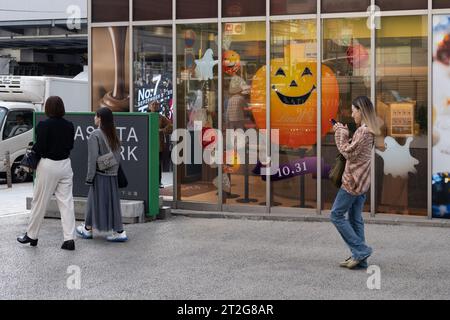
[[333, 122]]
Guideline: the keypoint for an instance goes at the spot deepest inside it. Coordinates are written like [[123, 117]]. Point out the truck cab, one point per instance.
[[20, 97], [16, 124]]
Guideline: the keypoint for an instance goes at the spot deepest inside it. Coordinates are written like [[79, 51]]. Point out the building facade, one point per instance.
[[206, 62]]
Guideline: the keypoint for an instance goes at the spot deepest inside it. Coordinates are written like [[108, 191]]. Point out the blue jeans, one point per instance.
[[351, 229]]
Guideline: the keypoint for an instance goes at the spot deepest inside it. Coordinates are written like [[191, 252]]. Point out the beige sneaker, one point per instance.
[[344, 263], [352, 263]]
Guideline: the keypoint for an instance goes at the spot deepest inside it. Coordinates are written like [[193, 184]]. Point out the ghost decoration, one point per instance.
[[204, 66], [397, 159]]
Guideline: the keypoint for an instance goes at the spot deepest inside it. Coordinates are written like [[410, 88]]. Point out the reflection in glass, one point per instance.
[[196, 9], [243, 59], [293, 74], [441, 4], [152, 10], [243, 8], [196, 107], [292, 6], [402, 103], [402, 4], [331, 6], [152, 67], [346, 56], [110, 10]]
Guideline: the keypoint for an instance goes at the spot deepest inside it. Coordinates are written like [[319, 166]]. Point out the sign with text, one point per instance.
[[133, 131]]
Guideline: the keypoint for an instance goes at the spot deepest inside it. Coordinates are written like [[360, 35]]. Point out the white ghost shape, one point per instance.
[[204, 66], [397, 159], [443, 210]]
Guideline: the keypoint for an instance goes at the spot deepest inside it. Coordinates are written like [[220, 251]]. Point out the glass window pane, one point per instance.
[[110, 72], [402, 104], [152, 10], [330, 6], [244, 58], [346, 59], [195, 9], [441, 116], [243, 8], [294, 111], [153, 82], [197, 108], [110, 10], [441, 4], [402, 4], [292, 6]]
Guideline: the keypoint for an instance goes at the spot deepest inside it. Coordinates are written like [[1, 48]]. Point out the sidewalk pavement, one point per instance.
[[196, 258], [13, 200]]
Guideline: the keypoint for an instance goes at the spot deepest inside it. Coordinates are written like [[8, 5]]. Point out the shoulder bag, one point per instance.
[[106, 160], [337, 170]]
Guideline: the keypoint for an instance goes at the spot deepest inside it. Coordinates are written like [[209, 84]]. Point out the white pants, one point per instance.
[[53, 177]]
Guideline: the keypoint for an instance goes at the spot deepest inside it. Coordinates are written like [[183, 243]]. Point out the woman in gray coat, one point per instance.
[[103, 205]]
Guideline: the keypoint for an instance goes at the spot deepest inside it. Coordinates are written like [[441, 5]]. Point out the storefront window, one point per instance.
[[197, 108], [332, 6], [196, 9], [278, 7], [152, 65], [152, 10], [244, 57], [243, 8], [346, 59], [110, 10], [294, 111], [402, 4], [110, 71], [441, 116], [402, 104]]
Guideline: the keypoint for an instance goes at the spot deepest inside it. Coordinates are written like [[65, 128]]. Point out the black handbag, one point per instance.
[[121, 178], [337, 170], [30, 160]]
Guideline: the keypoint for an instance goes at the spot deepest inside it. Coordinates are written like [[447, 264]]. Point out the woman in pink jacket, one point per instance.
[[355, 180]]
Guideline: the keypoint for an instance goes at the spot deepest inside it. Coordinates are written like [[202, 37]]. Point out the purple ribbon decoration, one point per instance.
[[295, 168]]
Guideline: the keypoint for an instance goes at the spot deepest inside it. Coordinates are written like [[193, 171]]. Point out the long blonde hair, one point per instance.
[[368, 116]]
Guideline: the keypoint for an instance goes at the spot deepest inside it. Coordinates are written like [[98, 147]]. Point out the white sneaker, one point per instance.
[[117, 237], [83, 232]]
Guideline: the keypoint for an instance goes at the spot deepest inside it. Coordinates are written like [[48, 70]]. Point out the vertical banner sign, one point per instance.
[[138, 133], [441, 117]]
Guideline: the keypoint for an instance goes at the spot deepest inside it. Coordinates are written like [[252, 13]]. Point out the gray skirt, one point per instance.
[[103, 204]]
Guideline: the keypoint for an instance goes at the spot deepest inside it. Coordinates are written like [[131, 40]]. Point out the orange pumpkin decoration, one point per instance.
[[231, 62], [293, 100]]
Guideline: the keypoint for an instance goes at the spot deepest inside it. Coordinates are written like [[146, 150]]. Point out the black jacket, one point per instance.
[[54, 138]]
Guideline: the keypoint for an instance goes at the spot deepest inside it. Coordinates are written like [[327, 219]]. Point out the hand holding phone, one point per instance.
[[333, 122]]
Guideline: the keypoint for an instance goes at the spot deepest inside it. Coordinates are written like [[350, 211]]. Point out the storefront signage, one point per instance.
[[133, 131], [295, 168], [441, 117], [234, 29], [161, 92]]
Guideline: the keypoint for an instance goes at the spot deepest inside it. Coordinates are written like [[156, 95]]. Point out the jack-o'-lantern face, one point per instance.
[[293, 100], [231, 62]]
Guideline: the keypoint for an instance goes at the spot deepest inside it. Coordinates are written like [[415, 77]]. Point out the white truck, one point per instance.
[[20, 97]]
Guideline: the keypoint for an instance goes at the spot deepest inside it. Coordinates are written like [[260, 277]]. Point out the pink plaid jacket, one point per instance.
[[357, 151]]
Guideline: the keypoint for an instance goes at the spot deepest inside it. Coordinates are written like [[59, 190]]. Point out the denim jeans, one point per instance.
[[351, 229]]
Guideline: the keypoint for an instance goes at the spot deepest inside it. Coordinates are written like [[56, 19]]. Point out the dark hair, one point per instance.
[[54, 107], [108, 128]]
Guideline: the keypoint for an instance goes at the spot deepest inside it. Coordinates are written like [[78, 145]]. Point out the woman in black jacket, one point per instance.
[[54, 175]]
